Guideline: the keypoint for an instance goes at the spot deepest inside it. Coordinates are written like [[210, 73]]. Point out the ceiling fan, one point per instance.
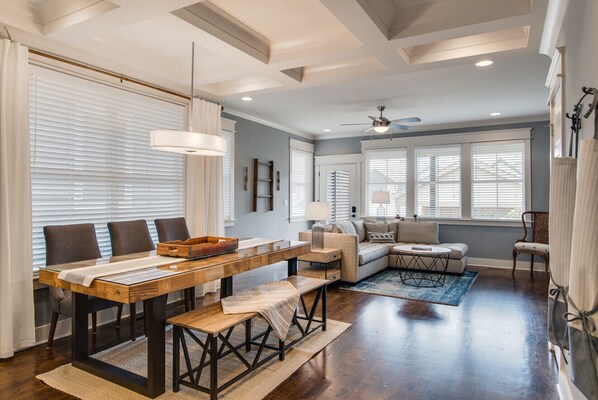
[[382, 124]]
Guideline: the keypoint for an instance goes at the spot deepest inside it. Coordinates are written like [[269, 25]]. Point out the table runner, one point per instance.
[[85, 275], [275, 301]]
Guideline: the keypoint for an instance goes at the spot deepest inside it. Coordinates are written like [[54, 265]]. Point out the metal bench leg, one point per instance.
[[281, 349], [213, 339], [176, 359], [248, 335], [324, 305]]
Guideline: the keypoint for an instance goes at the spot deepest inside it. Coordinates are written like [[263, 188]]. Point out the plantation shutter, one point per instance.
[[438, 181], [91, 159], [387, 171], [337, 194], [498, 179], [301, 181]]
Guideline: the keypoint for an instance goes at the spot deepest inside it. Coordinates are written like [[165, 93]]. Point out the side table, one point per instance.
[[323, 263], [423, 266]]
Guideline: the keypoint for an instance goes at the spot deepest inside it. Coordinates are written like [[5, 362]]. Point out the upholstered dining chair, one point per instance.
[[170, 229], [535, 244], [128, 237], [70, 243]]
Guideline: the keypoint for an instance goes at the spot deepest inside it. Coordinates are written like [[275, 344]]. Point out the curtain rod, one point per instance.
[[105, 72]]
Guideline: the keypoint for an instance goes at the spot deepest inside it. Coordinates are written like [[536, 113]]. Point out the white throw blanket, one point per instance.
[[275, 301], [85, 275]]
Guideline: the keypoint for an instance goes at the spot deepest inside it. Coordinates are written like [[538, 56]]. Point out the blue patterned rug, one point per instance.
[[388, 283]]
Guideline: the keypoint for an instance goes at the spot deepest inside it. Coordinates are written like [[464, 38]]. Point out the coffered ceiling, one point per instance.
[[311, 65]]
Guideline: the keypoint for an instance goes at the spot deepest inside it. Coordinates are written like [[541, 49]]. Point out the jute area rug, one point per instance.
[[254, 386]]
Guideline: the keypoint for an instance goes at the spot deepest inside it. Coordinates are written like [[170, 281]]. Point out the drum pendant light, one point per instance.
[[188, 142]]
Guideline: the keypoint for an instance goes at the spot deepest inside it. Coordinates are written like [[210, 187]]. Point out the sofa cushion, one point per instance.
[[393, 226], [379, 227], [371, 251], [359, 229], [418, 232], [458, 250], [329, 228], [379, 237], [346, 227]]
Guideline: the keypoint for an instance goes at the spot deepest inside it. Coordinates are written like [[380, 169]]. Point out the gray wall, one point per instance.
[[254, 140], [484, 241]]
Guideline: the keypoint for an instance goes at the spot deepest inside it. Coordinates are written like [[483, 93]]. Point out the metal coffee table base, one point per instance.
[[416, 272]]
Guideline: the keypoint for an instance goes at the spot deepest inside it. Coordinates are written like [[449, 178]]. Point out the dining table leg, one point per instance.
[[292, 266], [226, 287]]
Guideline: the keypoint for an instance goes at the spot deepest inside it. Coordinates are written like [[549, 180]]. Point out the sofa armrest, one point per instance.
[[348, 244]]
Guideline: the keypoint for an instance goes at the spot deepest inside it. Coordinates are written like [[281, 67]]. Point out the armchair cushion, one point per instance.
[[532, 246]]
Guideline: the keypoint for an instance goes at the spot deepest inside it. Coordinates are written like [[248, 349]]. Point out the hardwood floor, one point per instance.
[[493, 346]]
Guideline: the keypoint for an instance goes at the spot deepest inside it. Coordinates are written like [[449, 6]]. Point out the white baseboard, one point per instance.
[[63, 327], [505, 264], [565, 387]]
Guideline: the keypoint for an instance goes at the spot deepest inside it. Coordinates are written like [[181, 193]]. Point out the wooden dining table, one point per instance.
[[151, 286]]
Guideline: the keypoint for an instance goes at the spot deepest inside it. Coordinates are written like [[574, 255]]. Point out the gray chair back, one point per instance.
[[129, 237], [172, 229], [70, 243]]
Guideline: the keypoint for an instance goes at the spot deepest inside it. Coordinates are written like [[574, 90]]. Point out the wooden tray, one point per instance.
[[199, 247]]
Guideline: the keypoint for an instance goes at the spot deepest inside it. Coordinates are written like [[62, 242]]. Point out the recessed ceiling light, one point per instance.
[[494, 114], [327, 130], [484, 63], [246, 98]]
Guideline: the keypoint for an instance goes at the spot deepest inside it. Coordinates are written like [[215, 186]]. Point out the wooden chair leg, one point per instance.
[[531, 269], [514, 262], [119, 314], [547, 273], [94, 323], [52, 330], [133, 321]]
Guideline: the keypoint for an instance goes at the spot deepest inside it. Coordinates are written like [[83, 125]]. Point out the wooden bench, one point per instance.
[[211, 321]]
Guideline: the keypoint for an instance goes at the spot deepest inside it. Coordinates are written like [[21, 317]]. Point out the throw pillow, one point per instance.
[[418, 232], [387, 237], [379, 227], [359, 229], [346, 227]]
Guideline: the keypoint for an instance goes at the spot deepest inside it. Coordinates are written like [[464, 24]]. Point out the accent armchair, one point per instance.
[[535, 244]]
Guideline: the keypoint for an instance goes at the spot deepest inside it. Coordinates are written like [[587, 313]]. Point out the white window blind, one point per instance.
[[337, 194], [386, 171], [438, 181], [91, 159], [301, 191], [498, 179], [228, 175]]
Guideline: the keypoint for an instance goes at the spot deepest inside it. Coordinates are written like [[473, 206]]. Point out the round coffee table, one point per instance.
[[422, 266]]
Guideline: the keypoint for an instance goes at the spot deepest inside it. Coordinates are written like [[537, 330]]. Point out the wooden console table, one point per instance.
[[151, 285], [323, 263]]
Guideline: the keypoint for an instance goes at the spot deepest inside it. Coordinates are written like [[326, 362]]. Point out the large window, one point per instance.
[[480, 176], [386, 171], [498, 180], [228, 169], [301, 182], [91, 159], [438, 181]]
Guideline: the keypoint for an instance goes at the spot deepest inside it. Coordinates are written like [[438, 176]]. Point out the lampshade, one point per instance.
[[381, 197], [317, 211], [381, 128], [186, 142]]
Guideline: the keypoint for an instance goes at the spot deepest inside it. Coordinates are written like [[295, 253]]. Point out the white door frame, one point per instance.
[[355, 159]]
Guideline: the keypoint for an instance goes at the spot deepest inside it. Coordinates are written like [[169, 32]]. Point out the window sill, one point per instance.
[[468, 222], [297, 219], [229, 223]]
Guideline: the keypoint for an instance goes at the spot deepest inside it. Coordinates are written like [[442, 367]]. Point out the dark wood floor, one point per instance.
[[493, 346]]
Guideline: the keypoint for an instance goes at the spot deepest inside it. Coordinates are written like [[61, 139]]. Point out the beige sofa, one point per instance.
[[362, 258]]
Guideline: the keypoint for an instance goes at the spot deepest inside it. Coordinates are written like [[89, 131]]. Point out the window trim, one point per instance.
[[308, 148], [229, 125], [465, 140]]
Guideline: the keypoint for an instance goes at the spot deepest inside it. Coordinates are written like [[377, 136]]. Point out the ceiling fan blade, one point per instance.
[[375, 118], [406, 120], [366, 123], [402, 127]]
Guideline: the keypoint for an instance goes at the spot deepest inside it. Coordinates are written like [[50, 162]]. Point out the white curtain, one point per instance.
[[17, 326], [583, 276], [563, 182], [204, 200]]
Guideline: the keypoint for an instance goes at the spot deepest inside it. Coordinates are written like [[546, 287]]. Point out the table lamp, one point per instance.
[[381, 197], [317, 211]]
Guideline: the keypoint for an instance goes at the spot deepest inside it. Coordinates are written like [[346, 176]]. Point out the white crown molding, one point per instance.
[[555, 14], [440, 127], [269, 123]]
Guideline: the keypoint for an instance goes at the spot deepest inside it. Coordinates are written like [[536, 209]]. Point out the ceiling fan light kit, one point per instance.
[[381, 124]]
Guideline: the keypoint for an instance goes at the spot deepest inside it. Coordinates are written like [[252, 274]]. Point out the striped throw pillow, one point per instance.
[[382, 237]]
